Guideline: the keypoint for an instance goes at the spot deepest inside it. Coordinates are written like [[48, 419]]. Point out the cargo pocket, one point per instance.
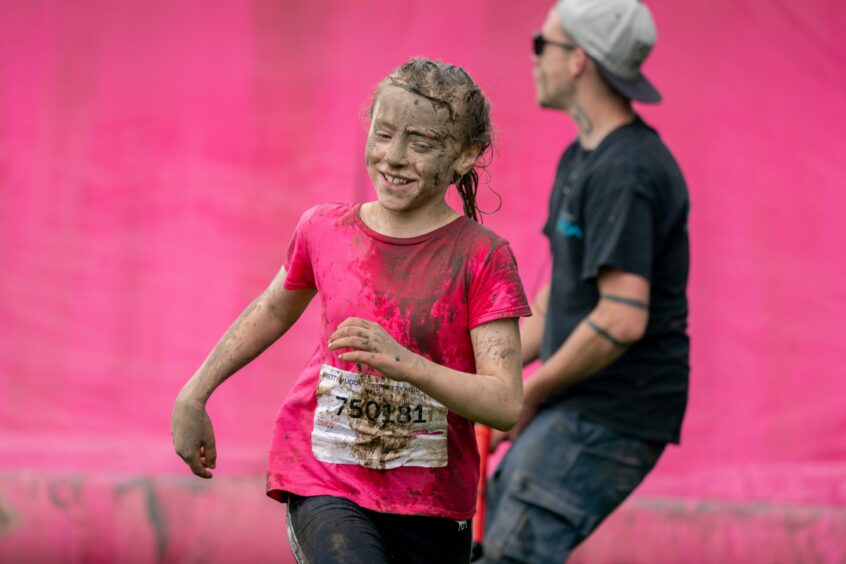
[[546, 524], [601, 481]]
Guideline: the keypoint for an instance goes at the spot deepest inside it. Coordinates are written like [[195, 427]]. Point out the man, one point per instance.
[[610, 328]]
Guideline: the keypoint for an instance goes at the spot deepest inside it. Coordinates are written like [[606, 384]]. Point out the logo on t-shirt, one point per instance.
[[568, 228]]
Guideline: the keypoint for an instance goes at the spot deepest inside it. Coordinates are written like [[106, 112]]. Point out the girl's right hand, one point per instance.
[[193, 436]]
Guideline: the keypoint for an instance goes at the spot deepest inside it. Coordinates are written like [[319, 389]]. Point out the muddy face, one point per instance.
[[412, 150]]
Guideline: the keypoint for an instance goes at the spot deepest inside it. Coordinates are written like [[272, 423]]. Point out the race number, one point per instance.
[[375, 422]]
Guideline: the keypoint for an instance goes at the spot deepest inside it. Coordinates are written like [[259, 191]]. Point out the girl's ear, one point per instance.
[[467, 159]]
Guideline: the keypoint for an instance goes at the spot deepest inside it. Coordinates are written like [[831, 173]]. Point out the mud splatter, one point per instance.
[[66, 494], [158, 521], [7, 517], [378, 443], [155, 512]]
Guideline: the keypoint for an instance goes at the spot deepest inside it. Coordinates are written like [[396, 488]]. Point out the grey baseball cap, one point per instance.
[[618, 35]]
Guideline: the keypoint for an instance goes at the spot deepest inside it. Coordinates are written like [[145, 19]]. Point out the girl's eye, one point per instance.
[[421, 147], [382, 135]]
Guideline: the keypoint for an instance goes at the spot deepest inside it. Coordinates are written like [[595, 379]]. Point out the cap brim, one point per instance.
[[639, 89]]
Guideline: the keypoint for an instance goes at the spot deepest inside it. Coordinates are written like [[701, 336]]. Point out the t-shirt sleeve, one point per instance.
[[496, 291], [298, 265], [619, 232]]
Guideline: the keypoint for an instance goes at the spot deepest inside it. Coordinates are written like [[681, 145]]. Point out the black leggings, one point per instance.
[[326, 529]]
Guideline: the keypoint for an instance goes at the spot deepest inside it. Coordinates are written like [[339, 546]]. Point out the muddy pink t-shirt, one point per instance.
[[344, 430]]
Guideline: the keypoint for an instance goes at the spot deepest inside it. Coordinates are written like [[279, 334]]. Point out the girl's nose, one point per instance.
[[395, 155]]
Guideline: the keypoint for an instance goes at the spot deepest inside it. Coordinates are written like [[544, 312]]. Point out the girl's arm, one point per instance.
[[266, 319], [492, 396]]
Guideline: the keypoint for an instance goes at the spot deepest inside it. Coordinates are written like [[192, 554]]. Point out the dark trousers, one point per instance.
[[562, 476], [325, 529]]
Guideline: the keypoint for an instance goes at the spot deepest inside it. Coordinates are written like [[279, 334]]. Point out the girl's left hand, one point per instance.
[[371, 345]]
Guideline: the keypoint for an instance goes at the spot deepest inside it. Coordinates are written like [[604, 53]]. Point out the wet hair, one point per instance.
[[451, 87]]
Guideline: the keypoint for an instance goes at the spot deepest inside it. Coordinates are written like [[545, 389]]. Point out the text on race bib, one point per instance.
[[376, 422]]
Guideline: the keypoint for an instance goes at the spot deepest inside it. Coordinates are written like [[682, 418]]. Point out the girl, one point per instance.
[[374, 450]]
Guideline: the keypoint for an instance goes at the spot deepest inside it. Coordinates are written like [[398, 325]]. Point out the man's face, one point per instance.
[[554, 83]]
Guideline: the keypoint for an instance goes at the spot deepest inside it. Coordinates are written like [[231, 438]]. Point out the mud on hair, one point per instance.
[[451, 87]]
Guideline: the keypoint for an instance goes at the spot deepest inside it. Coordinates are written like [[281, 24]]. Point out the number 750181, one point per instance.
[[403, 414]]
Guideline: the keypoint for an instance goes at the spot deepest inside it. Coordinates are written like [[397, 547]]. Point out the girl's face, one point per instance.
[[413, 150]]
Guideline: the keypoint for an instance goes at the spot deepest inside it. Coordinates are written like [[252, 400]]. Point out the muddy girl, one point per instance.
[[374, 451]]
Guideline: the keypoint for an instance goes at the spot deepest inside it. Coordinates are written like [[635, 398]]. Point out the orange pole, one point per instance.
[[483, 440]]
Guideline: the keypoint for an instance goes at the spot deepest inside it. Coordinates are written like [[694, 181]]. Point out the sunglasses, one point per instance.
[[539, 42]]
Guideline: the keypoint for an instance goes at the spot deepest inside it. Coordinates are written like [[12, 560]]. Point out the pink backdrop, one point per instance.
[[154, 157]]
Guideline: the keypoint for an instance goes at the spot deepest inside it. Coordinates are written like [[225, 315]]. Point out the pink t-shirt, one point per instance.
[[344, 430]]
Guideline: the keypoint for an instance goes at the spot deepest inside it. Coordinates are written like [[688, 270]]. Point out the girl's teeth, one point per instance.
[[395, 180]]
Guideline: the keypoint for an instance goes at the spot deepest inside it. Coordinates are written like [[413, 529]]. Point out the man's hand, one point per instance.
[[532, 399], [193, 436], [371, 345]]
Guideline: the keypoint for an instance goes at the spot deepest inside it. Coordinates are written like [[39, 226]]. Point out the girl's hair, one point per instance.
[[451, 87]]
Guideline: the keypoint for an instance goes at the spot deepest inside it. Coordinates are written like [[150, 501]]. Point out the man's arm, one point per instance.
[[618, 320], [531, 330]]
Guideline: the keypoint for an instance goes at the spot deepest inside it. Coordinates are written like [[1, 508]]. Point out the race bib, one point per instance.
[[376, 422]]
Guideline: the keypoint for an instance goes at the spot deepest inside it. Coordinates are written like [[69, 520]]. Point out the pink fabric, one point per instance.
[[155, 157], [427, 292]]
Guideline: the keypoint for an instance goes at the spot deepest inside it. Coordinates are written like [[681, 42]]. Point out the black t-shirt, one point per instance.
[[623, 205]]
